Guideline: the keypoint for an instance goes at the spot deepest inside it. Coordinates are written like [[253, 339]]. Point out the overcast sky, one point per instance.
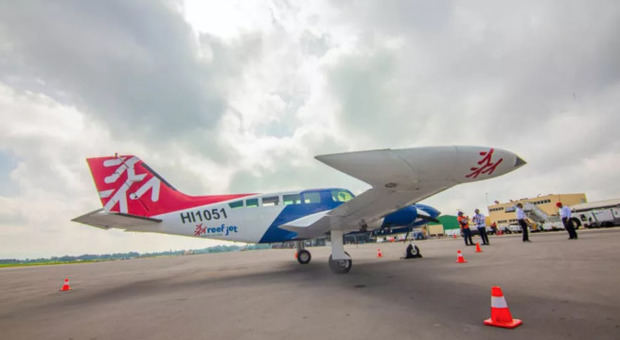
[[238, 96]]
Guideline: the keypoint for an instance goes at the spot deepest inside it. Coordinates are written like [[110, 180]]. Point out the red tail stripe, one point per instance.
[[126, 186]]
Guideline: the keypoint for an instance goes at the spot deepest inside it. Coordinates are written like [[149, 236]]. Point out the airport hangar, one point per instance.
[[497, 214], [546, 203]]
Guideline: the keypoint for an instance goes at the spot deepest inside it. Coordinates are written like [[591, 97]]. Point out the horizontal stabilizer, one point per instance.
[[106, 220]]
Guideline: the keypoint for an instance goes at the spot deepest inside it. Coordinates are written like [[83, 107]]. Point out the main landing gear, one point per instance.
[[303, 256], [340, 266], [339, 261]]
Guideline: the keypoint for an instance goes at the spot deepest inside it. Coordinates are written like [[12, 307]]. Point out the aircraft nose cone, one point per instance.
[[519, 162]]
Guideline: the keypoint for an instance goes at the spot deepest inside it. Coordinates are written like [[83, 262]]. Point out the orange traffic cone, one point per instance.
[[379, 254], [296, 254], [459, 257], [478, 250], [65, 287], [453, 235], [500, 314]]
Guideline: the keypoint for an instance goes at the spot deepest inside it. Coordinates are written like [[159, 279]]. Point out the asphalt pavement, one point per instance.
[[561, 289]]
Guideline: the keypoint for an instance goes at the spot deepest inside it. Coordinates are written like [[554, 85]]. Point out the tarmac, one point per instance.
[[561, 289]]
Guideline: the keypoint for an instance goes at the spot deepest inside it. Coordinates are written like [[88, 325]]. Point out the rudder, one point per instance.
[[123, 182]]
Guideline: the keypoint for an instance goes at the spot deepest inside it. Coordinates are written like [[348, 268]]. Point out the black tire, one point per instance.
[[413, 252], [576, 222], [303, 256], [341, 266]]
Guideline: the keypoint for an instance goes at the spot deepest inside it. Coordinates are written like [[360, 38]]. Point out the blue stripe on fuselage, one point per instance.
[[291, 213]]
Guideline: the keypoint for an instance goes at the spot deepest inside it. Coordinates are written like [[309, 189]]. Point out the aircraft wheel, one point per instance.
[[413, 252], [303, 256], [340, 266]]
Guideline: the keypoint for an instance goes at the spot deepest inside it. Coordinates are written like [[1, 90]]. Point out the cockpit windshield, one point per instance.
[[341, 195]]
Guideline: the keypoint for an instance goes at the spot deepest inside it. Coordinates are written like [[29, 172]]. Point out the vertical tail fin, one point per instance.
[[127, 185]]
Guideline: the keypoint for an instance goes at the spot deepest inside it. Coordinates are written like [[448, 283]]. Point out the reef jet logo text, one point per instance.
[[222, 230]]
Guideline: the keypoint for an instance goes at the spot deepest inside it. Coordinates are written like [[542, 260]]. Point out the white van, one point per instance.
[[597, 218]]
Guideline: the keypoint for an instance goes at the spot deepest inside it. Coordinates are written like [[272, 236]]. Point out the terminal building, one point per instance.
[[498, 214]]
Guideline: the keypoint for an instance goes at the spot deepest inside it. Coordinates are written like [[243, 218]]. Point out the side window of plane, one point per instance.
[[270, 201], [251, 203], [291, 199], [236, 204], [312, 197]]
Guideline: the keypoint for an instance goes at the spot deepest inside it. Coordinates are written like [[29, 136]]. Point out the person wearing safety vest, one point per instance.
[[464, 224]]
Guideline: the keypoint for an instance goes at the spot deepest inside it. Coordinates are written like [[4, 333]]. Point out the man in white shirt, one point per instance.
[[480, 223], [521, 218], [565, 215]]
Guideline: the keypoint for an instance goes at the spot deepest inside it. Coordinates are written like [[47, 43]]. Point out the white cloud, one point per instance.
[[239, 96], [51, 142]]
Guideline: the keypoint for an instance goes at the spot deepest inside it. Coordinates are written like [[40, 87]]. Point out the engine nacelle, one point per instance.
[[403, 217], [411, 216]]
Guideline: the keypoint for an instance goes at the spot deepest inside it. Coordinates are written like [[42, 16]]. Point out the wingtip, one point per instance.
[[519, 162]]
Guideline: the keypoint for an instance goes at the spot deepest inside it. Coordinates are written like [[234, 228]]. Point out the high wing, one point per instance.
[[401, 177]]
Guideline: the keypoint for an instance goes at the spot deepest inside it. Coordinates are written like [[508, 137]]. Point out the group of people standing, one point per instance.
[[479, 222], [565, 215]]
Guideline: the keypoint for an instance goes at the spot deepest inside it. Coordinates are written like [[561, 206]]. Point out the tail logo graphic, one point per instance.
[[124, 165], [127, 185]]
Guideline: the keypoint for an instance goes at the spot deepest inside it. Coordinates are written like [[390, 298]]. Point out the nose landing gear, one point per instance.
[[412, 252]]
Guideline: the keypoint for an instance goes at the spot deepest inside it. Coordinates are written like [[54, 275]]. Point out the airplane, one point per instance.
[[136, 198]]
